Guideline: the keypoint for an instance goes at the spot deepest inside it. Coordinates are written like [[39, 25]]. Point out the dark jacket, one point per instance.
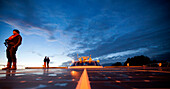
[[46, 59], [15, 41]]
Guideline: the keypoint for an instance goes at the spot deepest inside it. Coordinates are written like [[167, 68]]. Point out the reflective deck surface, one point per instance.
[[106, 78], [129, 78], [39, 79]]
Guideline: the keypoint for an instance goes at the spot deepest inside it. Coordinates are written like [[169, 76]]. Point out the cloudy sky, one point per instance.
[[109, 30]]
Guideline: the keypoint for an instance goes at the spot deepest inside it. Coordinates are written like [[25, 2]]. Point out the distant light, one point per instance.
[[160, 64], [72, 61]]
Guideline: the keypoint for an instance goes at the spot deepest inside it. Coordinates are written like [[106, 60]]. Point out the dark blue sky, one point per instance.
[[107, 29]]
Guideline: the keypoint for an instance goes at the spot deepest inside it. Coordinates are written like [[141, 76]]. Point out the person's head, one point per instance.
[[15, 31]]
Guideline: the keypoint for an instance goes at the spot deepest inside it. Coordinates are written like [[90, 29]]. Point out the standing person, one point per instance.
[[45, 60], [48, 60], [12, 44]]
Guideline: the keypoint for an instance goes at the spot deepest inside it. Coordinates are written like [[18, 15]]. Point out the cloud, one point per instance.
[[36, 53], [93, 27], [124, 53], [29, 18]]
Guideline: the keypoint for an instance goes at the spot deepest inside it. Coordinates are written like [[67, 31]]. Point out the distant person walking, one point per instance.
[[46, 62], [12, 44]]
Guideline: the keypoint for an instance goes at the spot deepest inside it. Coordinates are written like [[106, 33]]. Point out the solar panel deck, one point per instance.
[[106, 78]]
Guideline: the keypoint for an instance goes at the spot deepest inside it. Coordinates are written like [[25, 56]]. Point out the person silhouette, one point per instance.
[[46, 62], [12, 44]]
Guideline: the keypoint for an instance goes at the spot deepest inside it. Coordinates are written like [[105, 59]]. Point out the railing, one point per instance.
[[18, 66], [158, 65]]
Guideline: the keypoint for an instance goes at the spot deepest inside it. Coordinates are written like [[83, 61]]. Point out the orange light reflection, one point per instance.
[[74, 73]]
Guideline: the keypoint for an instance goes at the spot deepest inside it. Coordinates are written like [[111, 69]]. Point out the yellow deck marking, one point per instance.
[[84, 83]]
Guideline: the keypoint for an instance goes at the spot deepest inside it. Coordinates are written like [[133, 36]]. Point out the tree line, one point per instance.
[[138, 61]]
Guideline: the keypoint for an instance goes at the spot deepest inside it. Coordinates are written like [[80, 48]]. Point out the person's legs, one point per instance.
[[13, 57], [47, 64], [9, 59], [44, 64]]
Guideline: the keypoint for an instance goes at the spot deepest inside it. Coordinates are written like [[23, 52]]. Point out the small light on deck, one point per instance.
[[50, 81], [117, 81], [22, 81]]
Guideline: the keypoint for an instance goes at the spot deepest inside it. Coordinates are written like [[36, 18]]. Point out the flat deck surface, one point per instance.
[[106, 78], [129, 78], [39, 79]]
